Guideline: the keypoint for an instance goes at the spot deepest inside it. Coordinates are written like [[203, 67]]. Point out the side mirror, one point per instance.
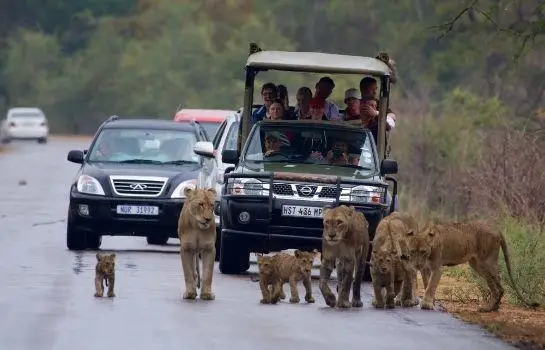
[[204, 148], [75, 156], [388, 166], [229, 156]]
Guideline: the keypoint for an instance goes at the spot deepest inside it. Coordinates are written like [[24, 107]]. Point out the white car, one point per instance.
[[212, 171], [24, 123]]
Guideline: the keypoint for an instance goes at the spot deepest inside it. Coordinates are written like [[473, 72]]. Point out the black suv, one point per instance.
[[131, 181]]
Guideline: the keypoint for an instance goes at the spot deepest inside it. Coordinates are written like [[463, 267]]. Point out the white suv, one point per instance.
[[24, 123], [211, 173]]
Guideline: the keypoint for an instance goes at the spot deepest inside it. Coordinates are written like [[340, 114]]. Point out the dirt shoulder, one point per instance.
[[524, 328]]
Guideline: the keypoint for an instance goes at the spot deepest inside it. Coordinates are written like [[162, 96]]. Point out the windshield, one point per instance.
[[211, 128], [145, 146], [311, 144]]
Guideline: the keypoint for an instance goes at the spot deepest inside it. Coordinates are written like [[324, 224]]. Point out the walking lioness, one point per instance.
[[453, 244], [197, 233], [345, 240]]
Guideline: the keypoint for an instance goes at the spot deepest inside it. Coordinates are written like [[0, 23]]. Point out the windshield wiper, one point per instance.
[[179, 162], [141, 161]]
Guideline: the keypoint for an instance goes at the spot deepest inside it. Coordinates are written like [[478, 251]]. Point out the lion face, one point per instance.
[[265, 264], [106, 263], [305, 261], [420, 246], [382, 260], [337, 223], [201, 205]]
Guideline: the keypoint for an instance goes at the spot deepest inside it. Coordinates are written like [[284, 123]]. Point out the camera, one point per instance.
[[337, 152]]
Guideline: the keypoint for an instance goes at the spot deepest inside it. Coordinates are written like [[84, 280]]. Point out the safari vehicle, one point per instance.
[[274, 200]]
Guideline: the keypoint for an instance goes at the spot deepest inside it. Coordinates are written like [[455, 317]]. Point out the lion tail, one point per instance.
[[507, 258]]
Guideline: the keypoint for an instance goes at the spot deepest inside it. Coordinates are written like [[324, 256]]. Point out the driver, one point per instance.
[[273, 142], [108, 148]]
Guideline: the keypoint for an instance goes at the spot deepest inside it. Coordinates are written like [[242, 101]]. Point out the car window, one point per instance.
[[26, 115], [232, 137], [211, 128], [311, 144], [217, 136], [144, 146]]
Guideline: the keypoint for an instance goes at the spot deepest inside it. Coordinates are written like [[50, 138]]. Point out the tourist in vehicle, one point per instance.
[[269, 93], [276, 111], [369, 114], [352, 99], [324, 87], [339, 154], [368, 88], [273, 142], [283, 96], [304, 95], [317, 109]]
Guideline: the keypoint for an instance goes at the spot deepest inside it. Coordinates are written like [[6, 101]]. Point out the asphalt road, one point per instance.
[[46, 291]]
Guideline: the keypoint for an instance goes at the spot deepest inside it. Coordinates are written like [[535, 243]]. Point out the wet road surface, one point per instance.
[[46, 291]]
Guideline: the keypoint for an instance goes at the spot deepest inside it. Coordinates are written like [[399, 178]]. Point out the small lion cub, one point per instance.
[[269, 279], [105, 272], [295, 268]]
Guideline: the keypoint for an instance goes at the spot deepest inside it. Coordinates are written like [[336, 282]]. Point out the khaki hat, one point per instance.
[[352, 93]]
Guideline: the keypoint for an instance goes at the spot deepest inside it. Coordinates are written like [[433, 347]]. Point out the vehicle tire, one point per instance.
[[75, 239], [218, 244], [42, 140], [233, 259], [157, 240], [6, 141], [93, 241]]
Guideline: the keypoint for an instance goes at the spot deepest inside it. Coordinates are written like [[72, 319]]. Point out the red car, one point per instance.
[[210, 119]]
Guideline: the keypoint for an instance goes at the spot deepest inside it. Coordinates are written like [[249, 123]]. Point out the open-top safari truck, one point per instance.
[[274, 201]]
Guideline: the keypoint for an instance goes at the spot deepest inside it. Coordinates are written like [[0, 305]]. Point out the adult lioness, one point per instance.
[[197, 233], [390, 265], [452, 244], [346, 239]]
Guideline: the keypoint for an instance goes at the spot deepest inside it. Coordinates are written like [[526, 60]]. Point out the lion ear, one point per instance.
[[99, 257], [188, 191], [431, 232], [326, 210], [315, 251], [112, 256], [297, 253], [409, 233], [212, 190]]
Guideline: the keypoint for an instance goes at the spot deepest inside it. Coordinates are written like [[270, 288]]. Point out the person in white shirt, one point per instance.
[[324, 87]]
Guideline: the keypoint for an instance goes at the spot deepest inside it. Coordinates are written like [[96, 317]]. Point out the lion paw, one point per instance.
[[98, 295], [111, 295], [427, 305], [408, 303], [265, 301], [207, 296], [191, 295], [343, 304], [282, 295], [309, 299], [376, 304], [330, 300], [294, 300], [275, 300], [390, 305], [357, 303]]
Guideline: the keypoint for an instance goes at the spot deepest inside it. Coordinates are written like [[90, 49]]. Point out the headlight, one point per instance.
[[90, 185], [179, 190], [248, 187], [368, 194]]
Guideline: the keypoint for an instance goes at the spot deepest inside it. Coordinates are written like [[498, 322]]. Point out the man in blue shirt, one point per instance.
[[269, 92]]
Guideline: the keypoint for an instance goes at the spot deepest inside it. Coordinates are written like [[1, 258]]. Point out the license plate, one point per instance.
[[137, 210], [302, 211]]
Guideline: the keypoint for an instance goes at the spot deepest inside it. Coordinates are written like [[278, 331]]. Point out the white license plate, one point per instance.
[[302, 211], [137, 210]]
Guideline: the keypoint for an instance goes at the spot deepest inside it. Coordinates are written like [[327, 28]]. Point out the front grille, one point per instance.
[[306, 190], [138, 186], [282, 189], [328, 192]]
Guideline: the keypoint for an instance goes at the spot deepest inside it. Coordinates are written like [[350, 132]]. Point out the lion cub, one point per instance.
[[270, 281], [294, 268], [105, 272], [346, 239], [390, 265]]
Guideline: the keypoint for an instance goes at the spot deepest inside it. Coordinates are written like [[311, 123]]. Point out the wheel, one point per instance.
[[75, 239], [94, 241], [157, 240], [218, 244], [6, 141], [42, 140], [233, 259]]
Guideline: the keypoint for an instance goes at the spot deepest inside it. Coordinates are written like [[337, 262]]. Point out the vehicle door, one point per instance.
[[205, 178]]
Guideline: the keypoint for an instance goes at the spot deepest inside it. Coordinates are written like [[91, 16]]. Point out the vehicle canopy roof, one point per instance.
[[317, 62], [336, 124], [160, 124]]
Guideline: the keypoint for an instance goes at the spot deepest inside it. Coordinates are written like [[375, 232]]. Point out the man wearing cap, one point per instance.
[[324, 88], [352, 99]]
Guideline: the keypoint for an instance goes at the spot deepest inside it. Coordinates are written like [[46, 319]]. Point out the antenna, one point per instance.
[[112, 118]]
